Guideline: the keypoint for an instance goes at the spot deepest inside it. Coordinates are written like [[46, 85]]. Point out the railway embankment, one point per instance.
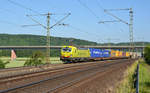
[[127, 84]]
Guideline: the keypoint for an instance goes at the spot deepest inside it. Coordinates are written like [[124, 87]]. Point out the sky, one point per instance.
[[83, 21]]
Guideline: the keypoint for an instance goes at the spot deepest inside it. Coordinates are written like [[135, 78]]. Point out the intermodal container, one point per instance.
[[120, 53], [127, 54], [106, 53], [117, 53], [124, 54], [113, 53], [95, 53]]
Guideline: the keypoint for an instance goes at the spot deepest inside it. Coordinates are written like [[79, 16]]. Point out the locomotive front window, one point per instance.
[[67, 49]]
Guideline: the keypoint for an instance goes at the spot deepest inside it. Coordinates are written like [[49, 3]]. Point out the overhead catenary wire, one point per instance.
[[99, 4], [22, 6], [71, 26], [61, 20], [83, 31], [74, 28], [119, 19], [79, 31], [7, 22], [37, 14], [102, 8], [8, 11], [37, 22], [10, 23], [32, 10], [72, 36], [114, 21], [90, 10]]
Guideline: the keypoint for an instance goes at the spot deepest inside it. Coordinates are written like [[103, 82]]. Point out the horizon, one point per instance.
[[79, 39]]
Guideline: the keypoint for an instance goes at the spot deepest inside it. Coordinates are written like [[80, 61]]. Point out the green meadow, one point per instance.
[[144, 78], [18, 62]]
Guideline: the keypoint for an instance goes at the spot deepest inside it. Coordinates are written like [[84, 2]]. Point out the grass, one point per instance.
[[20, 61], [127, 84], [144, 78]]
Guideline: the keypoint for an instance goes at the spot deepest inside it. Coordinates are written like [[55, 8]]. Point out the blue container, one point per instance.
[[106, 53], [95, 53]]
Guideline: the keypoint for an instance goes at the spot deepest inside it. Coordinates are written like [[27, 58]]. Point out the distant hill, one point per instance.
[[34, 40]]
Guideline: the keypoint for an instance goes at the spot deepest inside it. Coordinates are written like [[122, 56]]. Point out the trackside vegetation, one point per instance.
[[127, 84], [3, 64], [144, 77], [36, 59], [20, 61], [147, 54], [144, 72]]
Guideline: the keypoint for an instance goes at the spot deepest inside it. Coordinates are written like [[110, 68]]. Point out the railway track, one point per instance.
[[16, 80], [10, 72], [52, 81]]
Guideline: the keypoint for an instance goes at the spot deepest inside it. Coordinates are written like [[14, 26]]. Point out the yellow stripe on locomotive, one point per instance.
[[70, 52]]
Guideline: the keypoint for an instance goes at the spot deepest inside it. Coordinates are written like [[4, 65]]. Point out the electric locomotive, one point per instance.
[[72, 54]]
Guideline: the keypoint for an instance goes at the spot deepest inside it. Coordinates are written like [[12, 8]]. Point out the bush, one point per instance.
[[35, 60], [2, 64], [147, 54]]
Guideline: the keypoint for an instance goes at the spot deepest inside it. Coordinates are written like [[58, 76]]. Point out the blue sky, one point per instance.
[[83, 24]]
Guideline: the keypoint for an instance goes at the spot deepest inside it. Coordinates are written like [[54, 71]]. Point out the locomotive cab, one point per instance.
[[66, 53], [74, 54]]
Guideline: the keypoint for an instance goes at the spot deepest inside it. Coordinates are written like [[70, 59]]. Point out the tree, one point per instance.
[[3, 64], [147, 54], [35, 60]]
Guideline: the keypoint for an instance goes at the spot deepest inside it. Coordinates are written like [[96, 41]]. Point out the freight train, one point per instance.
[[72, 54]]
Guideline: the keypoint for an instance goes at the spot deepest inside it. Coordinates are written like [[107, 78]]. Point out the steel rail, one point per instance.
[[45, 70], [57, 76], [78, 79]]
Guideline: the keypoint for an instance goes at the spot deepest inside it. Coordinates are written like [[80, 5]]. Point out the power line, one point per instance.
[[36, 22], [22, 6], [84, 5], [99, 5], [11, 12], [6, 22], [61, 20], [82, 31], [8, 11], [102, 8], [113, 21], [119, 19]]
